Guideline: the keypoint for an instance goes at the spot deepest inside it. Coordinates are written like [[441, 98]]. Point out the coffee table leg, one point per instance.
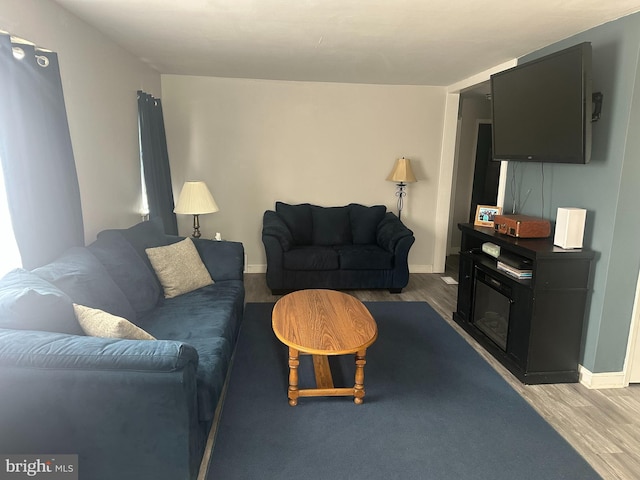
[[293, 377], [358, 389]]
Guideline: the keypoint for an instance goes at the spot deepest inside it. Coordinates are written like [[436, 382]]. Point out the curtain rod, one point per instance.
[[24, 41]]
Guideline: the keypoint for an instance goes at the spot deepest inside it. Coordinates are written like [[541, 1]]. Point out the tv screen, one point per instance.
[[542, 109]]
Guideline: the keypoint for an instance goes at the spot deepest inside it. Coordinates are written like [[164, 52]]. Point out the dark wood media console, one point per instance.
[[532, 326]]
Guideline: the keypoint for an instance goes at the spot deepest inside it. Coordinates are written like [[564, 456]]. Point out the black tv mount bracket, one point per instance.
[[596, 98]]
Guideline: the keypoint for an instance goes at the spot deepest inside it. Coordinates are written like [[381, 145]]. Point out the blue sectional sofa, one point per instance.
[[131, 409], [347, 247]]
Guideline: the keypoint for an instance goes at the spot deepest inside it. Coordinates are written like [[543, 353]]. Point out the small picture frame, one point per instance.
[[484, 215]]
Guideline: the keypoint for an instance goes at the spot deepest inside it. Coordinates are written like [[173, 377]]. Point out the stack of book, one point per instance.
[[515, 266], [514, 272]]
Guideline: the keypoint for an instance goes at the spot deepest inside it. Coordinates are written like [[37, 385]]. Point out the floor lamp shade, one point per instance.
[[195, 199], [402, 172]]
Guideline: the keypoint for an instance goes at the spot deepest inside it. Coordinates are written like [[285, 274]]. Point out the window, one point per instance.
[[144, 203], [9, 254]]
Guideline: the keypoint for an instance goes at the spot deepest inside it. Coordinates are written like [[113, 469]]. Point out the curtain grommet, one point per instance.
[[42, 60]]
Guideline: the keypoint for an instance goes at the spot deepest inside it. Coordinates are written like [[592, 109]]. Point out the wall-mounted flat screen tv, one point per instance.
[[542, 109]]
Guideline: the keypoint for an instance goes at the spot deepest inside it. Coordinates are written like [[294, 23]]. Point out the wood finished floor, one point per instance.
[[602, 425]]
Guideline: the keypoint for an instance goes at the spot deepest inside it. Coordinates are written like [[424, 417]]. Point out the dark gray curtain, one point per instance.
[[155, 161], [37, 158]]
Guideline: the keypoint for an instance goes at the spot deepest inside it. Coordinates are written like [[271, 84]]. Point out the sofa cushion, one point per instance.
[[364, 222], [298, 219], [331, 225], [207, 319], [214, 310], [179, 268], [97, 323], [224, 260], [311, 258], [127, 269], [27, 302], [80, 275], [145, 235], [364, 257]]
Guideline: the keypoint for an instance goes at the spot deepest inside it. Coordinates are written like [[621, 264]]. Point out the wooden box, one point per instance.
[[522, 226]]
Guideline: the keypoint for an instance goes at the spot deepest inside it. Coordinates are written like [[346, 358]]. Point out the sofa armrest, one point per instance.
[[274, 226], [103, 399], [277, 239], [390, 231], [394, 236], [224, 260], [46, 350]]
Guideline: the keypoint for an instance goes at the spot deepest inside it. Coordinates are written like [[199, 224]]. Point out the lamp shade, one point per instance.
[[195, 199], [402, 172]]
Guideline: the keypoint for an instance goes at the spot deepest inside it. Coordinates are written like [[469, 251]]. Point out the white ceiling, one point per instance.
[[412, 42]]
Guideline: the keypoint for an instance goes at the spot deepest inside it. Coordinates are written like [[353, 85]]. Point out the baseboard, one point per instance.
[[601, 380], [420, 268], [256, 269]]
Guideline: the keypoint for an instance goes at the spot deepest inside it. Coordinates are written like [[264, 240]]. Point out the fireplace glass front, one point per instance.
[[492, 307]]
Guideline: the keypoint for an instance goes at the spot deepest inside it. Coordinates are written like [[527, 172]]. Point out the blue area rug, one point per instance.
[[434, 409]]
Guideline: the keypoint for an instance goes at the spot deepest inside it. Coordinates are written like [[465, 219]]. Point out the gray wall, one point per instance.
[[258, 141], [606, 187]]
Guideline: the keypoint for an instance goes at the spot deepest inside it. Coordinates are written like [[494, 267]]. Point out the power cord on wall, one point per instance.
[[513, 188], [542, 188], [517, 203]]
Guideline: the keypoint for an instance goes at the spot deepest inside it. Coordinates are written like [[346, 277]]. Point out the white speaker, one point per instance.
[[569, 227]]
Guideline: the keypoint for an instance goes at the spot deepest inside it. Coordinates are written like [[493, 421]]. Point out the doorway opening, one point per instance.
[[486, 174], [476, 177]]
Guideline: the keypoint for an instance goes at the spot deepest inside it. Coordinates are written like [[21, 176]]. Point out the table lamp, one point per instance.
[[195, 199]]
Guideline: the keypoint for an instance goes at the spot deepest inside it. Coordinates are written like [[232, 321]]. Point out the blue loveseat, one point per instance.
[[131, 409], [347, 247]]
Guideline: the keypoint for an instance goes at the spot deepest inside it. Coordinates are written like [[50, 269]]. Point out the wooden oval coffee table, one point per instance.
[[323, 323]]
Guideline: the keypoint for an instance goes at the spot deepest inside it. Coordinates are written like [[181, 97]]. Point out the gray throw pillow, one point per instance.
[[179, 268], [97, 323]]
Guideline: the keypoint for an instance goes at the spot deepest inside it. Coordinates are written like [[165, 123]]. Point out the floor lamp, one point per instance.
[[195, 199], [401, 174]]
